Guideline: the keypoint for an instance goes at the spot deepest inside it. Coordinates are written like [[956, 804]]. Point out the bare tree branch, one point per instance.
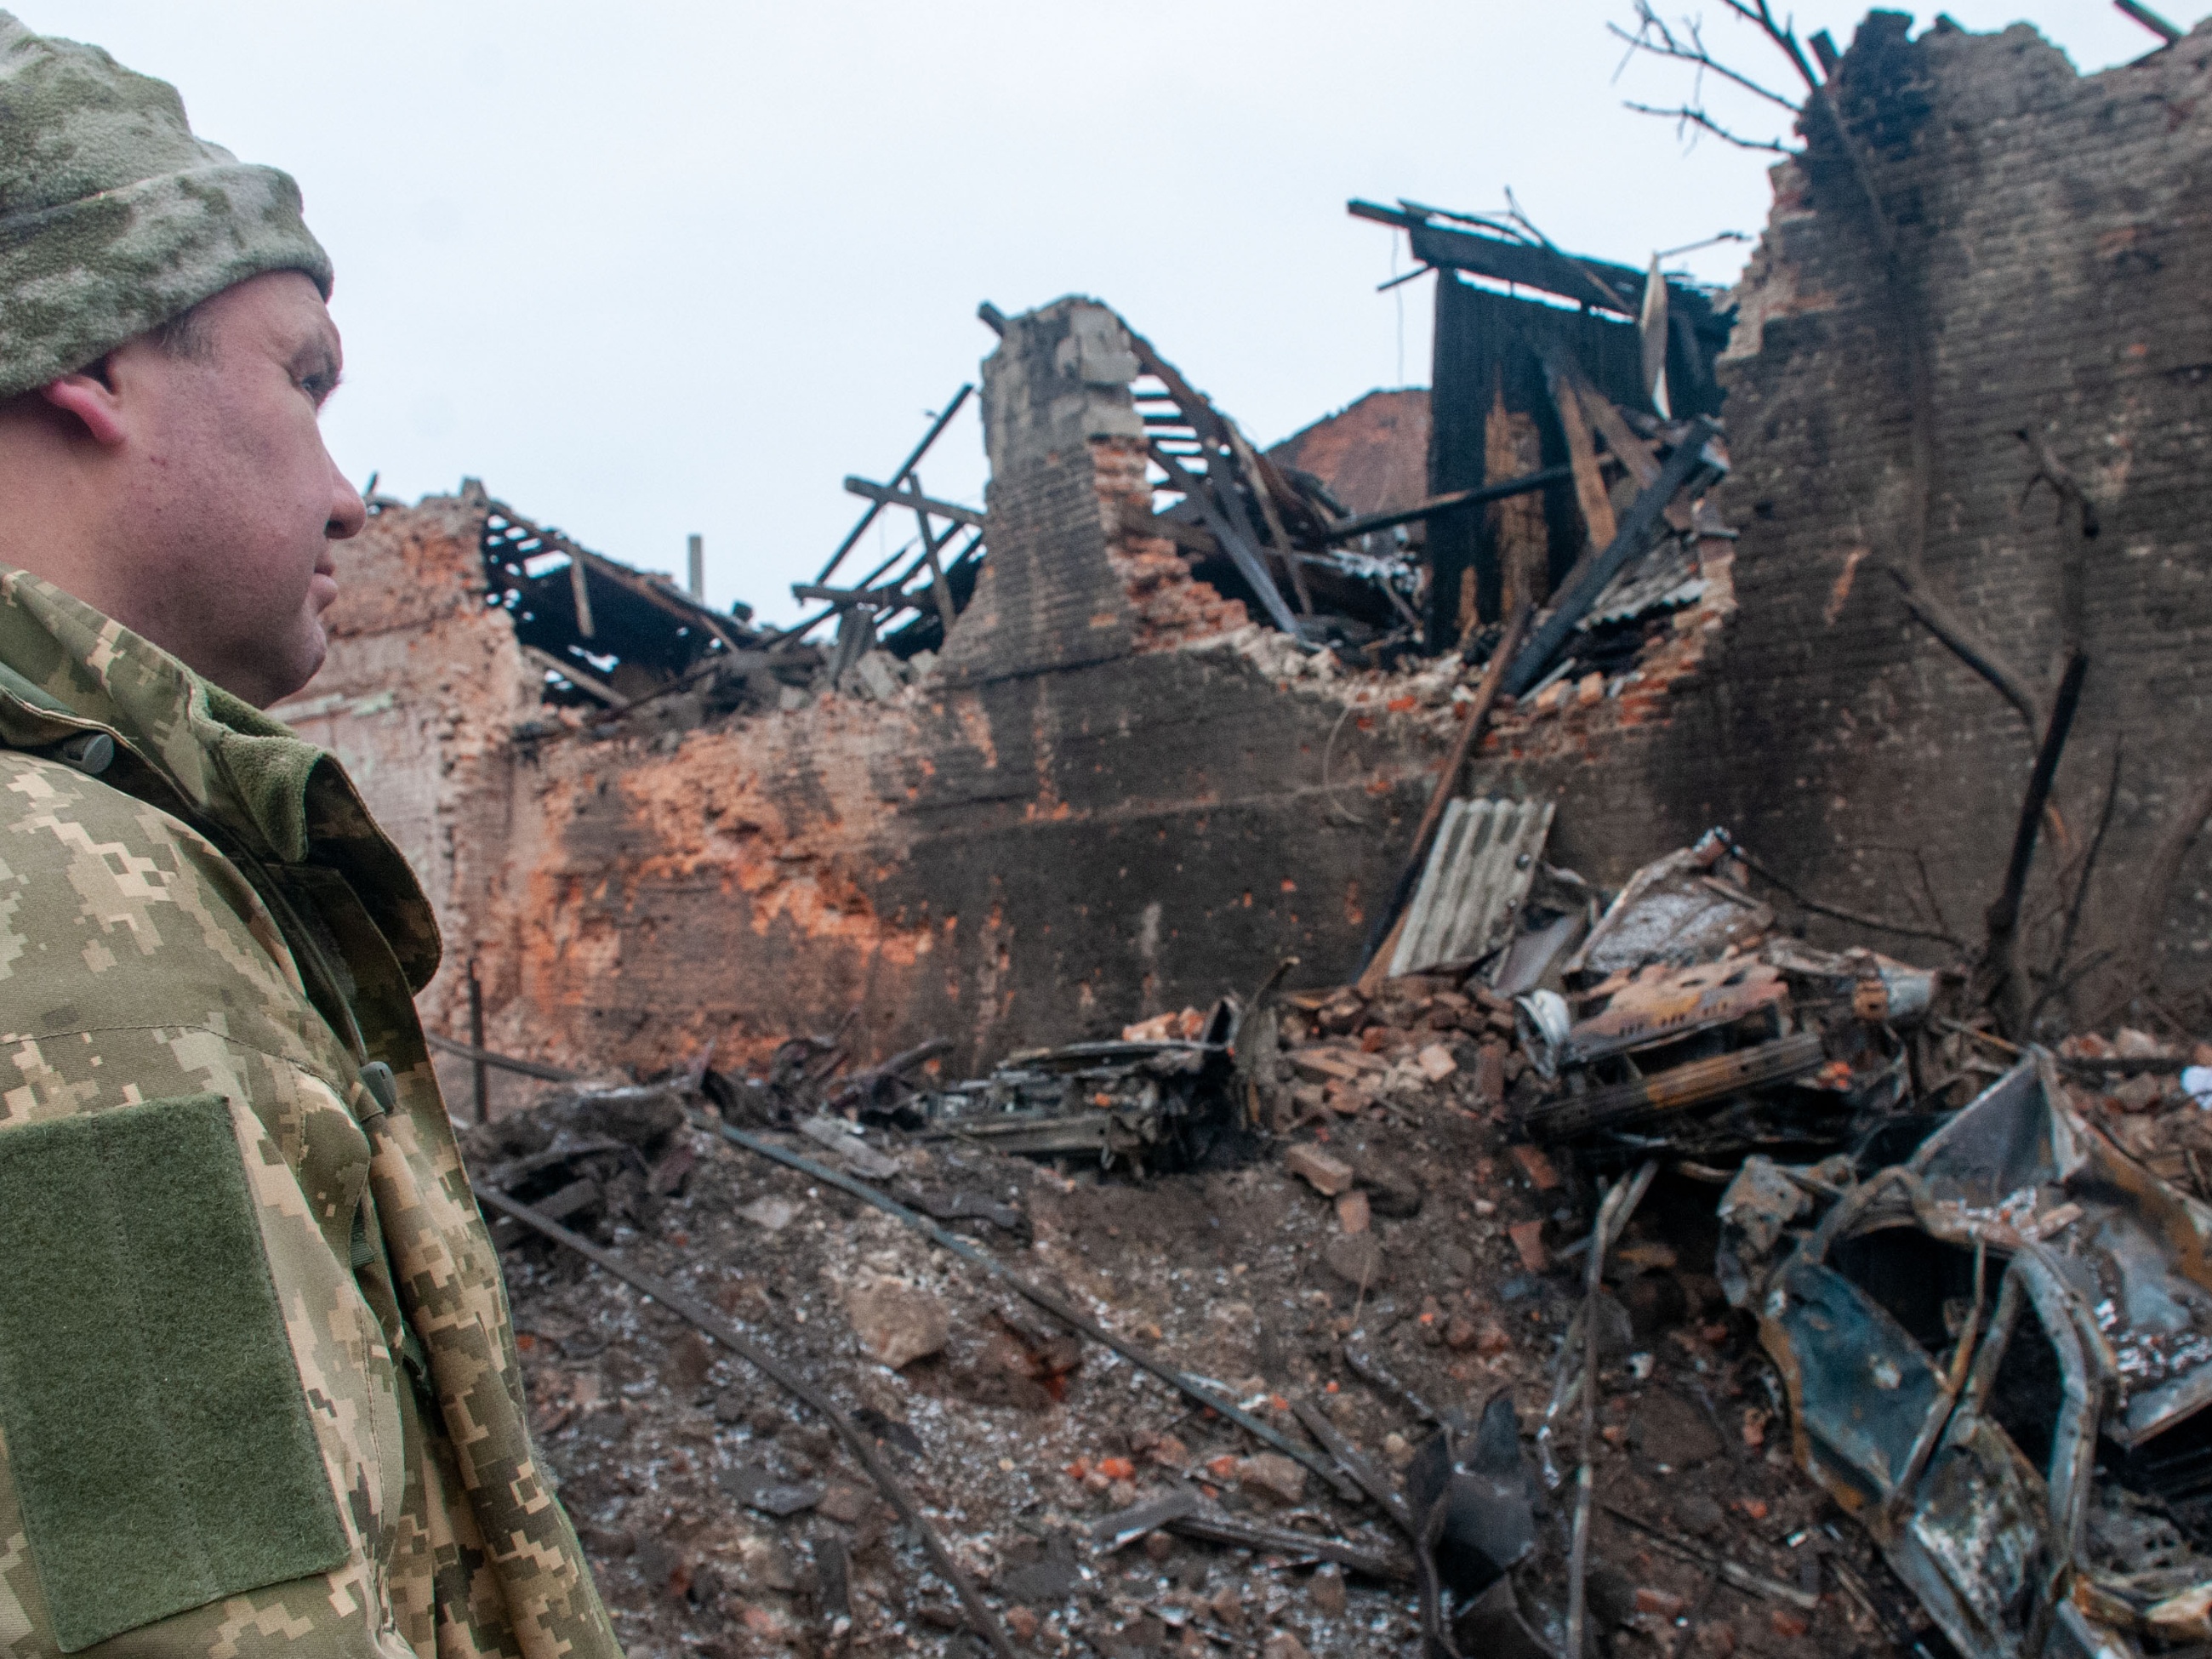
[[2053, 983], [1857, 918], [2050, 470], [1928, 890], [2160, 873], [2090, 963], [1598, 284], [1655, 38], [1782, 34], [2073, 568], [1685, 117], [2004, 986], [1967, 645]]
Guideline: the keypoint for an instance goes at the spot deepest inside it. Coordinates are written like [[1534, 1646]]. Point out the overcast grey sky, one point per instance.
[[666, 268]]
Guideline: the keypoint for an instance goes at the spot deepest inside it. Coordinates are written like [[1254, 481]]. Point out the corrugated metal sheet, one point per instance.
[[1665, 578], [1478, 874]]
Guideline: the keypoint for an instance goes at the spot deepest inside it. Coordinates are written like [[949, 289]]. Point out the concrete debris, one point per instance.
[[1355, 1257], [1272, 1476], [897, 1323], [772, 1214], [757, 1489], [1325, 1174]]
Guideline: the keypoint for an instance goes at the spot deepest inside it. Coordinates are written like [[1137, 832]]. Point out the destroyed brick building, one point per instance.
[[1478, 1031], [1118, 789]]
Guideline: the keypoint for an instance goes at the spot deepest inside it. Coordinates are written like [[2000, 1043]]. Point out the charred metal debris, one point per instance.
[[1978, 1269]]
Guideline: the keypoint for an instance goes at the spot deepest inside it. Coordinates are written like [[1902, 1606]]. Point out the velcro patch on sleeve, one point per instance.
[[157, 1432]]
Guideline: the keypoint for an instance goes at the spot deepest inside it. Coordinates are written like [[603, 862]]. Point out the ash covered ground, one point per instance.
[[1017, 1437]]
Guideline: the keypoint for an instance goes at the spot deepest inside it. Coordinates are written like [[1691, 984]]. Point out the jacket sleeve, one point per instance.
[[205, 1453]]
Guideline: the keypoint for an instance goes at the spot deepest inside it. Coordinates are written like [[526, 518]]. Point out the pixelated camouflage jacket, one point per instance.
[[258, 1381]]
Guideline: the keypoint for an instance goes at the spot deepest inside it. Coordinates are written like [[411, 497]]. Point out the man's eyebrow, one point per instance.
[[319, 358]]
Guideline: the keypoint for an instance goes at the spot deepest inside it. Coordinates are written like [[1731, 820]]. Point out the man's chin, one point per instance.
[[302, 664]]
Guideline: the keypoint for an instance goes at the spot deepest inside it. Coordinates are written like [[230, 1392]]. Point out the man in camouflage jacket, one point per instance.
[[258, 1389]]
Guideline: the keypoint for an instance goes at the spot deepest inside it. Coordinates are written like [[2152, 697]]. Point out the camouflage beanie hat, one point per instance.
[[113, 218]]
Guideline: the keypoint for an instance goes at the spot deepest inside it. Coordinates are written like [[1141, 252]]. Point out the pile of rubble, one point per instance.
[[1503, 1305]]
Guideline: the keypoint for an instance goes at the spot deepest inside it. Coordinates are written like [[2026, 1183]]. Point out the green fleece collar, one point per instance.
[[283, 798]]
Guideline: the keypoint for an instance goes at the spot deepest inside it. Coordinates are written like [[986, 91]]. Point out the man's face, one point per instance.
[[230, 501]]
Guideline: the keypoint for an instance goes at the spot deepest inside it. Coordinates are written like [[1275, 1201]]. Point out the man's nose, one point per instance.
[[348, 512]]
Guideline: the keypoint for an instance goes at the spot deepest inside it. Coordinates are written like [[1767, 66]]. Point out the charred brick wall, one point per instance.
[[1010, 863], [2053, 230]]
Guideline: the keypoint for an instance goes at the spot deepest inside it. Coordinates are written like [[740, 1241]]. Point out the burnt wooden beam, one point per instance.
[[1241, 553], [889, 593], [1249, 463], [800, 629], [1503, 260], [1589, 485], [940, 592], [898, 477], [589, 684], [478, 1054], [888, 496], [1606, 419], [1345, 530], [1689, 461], [1390, 921], [661, 594], [1192, 538], [2150, 20]]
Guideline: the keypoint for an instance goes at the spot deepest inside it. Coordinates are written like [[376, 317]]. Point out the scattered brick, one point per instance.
[[1529, 1238], [1326, 1173], [1272, 1476], [1538, 1168]]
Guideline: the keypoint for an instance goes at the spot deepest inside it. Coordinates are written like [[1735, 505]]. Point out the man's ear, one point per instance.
[[90, 396]]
